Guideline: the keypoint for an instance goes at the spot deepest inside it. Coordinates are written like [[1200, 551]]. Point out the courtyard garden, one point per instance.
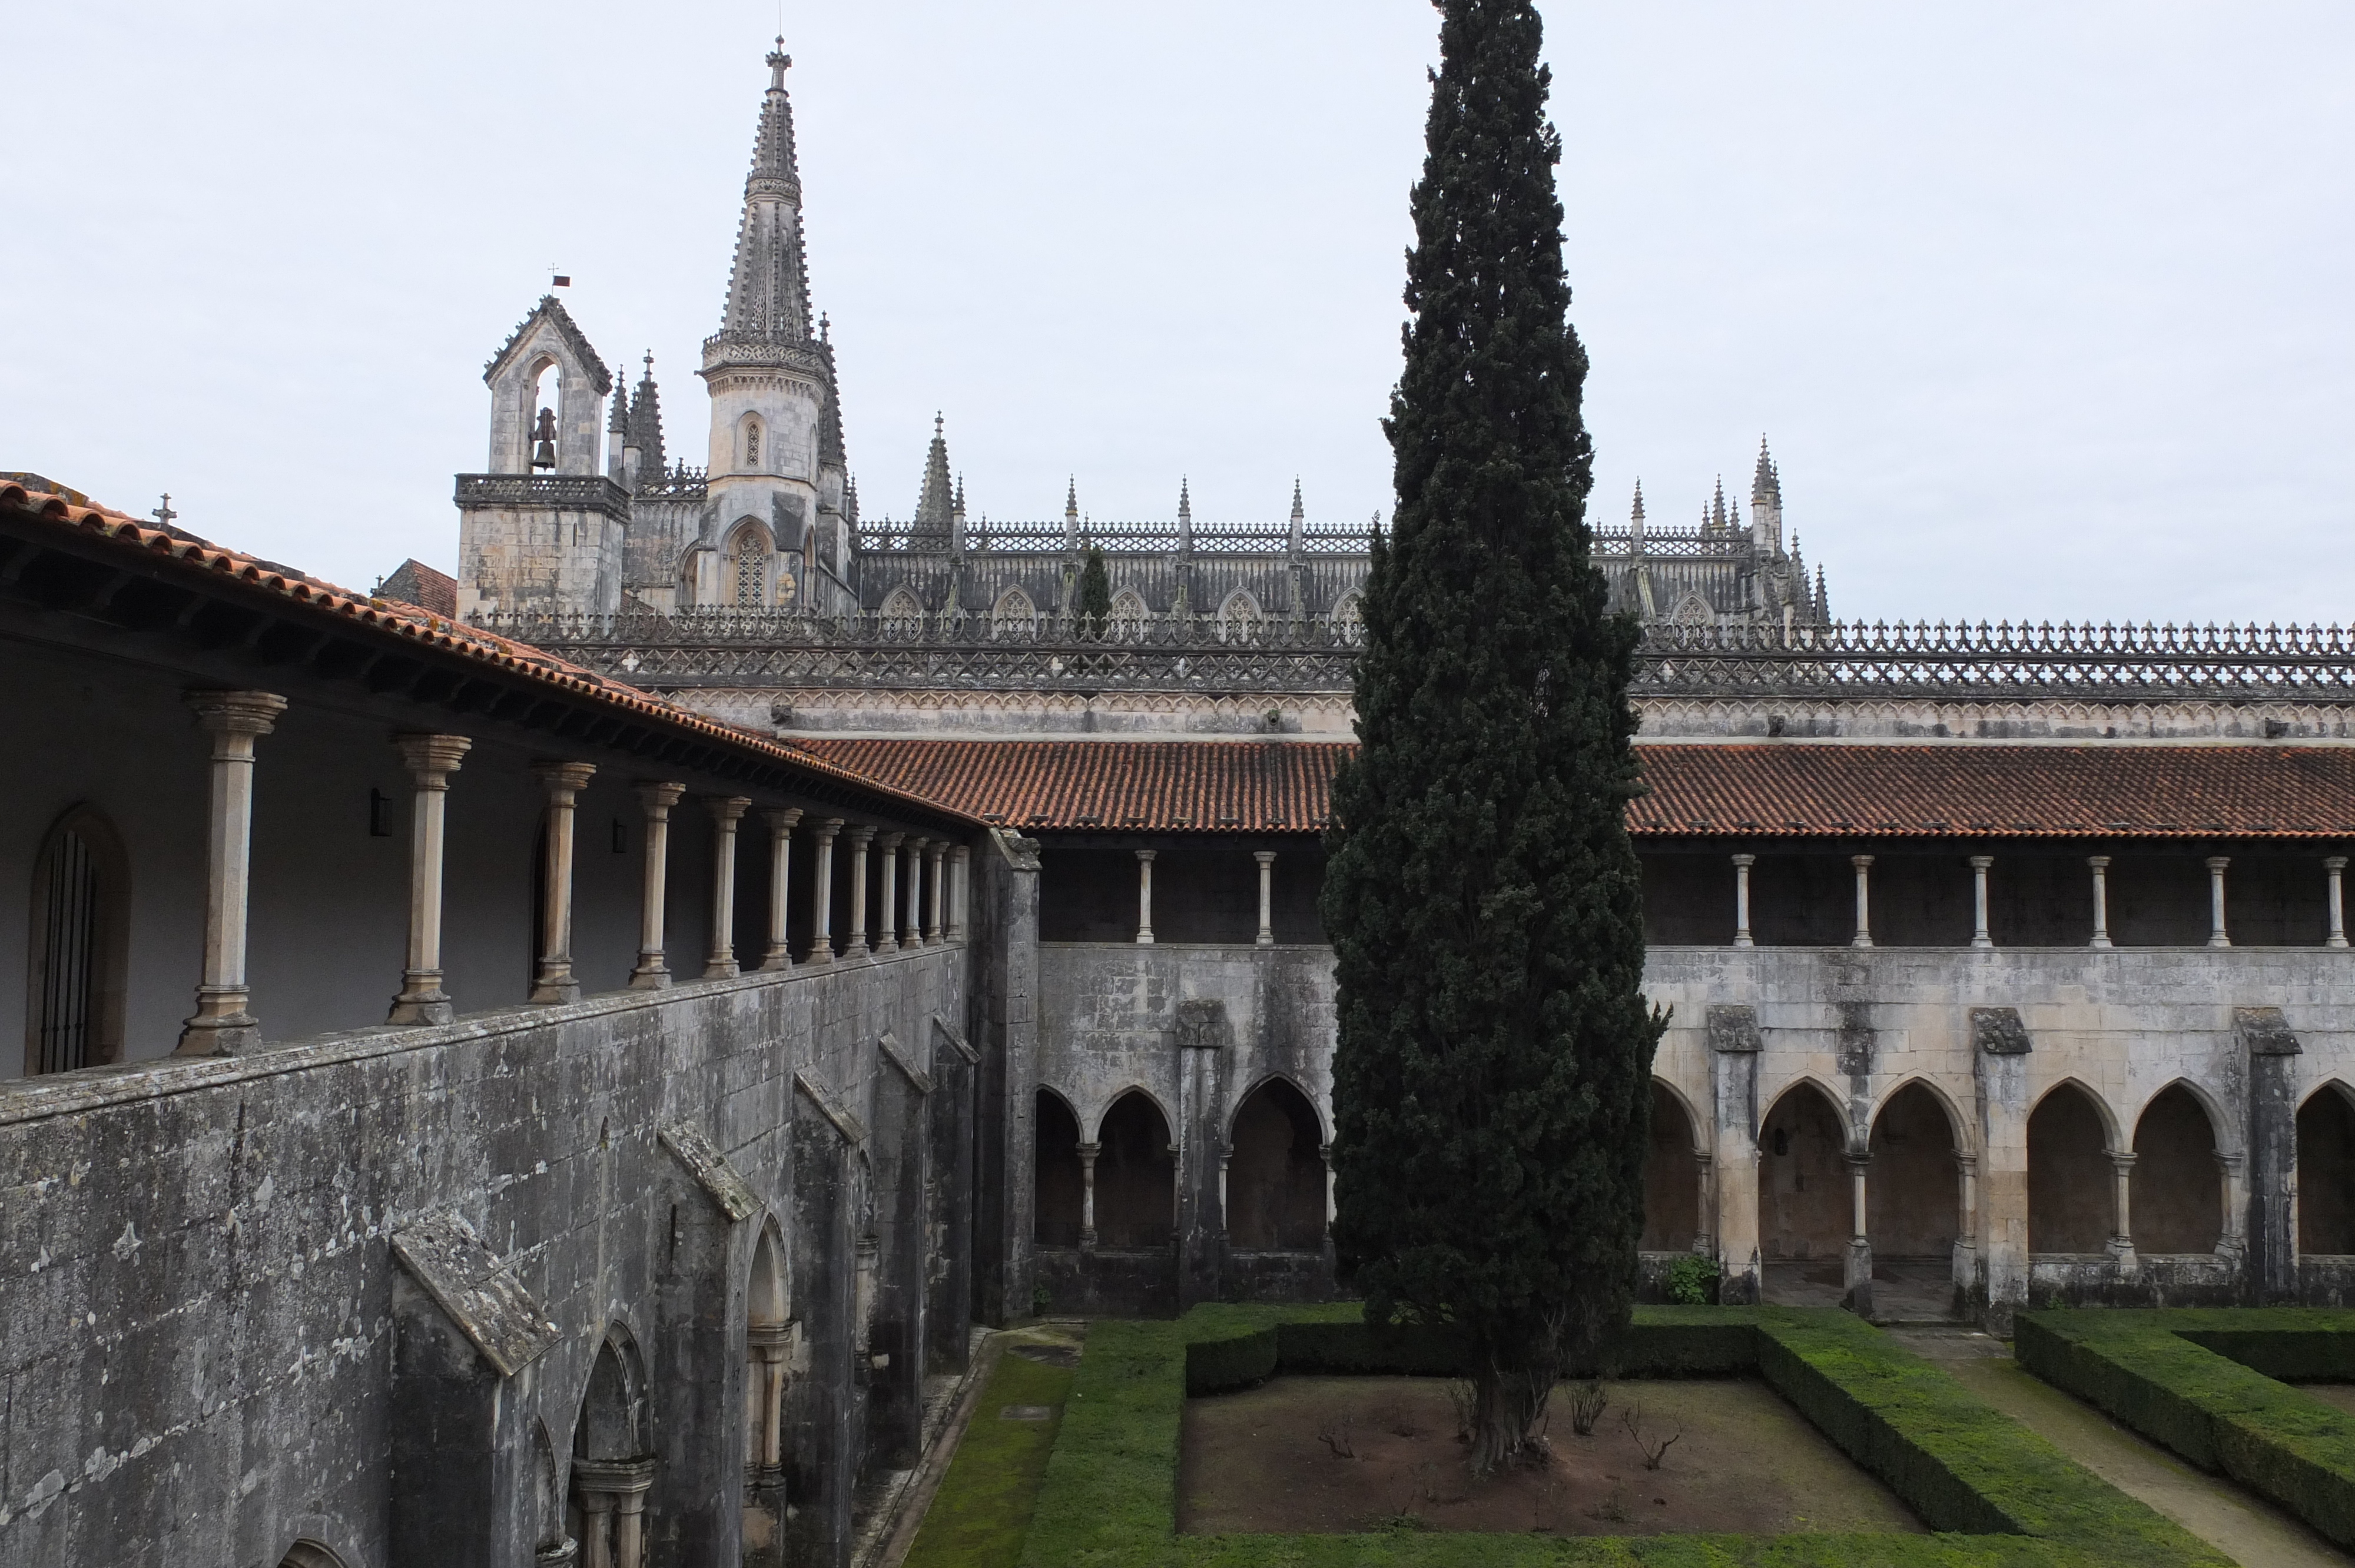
[[1259, 1437]]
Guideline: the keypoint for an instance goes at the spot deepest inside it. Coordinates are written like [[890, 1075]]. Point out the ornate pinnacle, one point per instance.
[[1297, 513], [1637, 515], [780, 62]]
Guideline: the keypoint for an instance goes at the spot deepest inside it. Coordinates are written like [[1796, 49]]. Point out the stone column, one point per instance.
[[2335, 868], [653, 972], [614, 1500], [912, 924], [431, 760], [235, 720], [2122, 1238], [1967, 1250], [2101, 865], [854, 944], [936, 854], [1734, 1045], [2217, 936], [887, 923], [1863, 864], [1705, 1175], [1145, 897], [781, 865], [597, 1526], [726, 813], [960, 862], [2231, 1240], [2270, 1050], [1742, 865], [1999, 1057], [821, 948], [1266, 859], [1858, 1283], [770, 1342], [1979, 938], [1088, 1152], [1325, 1153], [554, 982]]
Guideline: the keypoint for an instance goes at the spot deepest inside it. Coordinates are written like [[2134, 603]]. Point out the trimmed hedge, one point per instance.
[[1110, 1495], [2202, 1382]]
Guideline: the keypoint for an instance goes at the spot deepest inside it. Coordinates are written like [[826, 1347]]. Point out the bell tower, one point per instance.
[[542, 530], [775, 479]]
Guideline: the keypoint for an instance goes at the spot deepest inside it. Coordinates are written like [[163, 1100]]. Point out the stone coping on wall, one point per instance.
[[117, 1084]]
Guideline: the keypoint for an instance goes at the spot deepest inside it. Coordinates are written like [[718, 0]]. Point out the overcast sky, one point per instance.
[[2046, 309]]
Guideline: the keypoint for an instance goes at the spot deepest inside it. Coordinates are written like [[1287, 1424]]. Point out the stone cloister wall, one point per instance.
[[350, 1289]]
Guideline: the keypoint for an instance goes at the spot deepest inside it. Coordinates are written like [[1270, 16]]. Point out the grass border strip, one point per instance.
[[2205, 1382], [1110, 1496]]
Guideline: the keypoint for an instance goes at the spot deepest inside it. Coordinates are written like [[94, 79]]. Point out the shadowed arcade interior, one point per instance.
[[1275, 1177]]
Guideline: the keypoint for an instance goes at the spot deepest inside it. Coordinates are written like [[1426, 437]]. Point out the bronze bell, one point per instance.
[[543, 453]]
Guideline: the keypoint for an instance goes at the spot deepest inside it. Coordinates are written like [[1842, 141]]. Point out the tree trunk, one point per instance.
[[1508, 1407]]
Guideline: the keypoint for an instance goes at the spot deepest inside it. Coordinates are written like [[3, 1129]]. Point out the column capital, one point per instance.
[[432, 757], [235, 712], [783, 818], [564, 779], [1859, 861], [862, 834], [827, 828], [658, 799], [1981, 862], [891, 840], [2219, 861], [1146, 855], [2334, 862], [1745, 861], [728, 809], [2121, 1160], [2098, 862]]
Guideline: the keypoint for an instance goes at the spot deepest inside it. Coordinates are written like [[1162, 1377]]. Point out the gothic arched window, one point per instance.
[[1014, 614], [903, 613], [752, 444], [1128, 613], [80, 926], [1238, 618], [748, 567]]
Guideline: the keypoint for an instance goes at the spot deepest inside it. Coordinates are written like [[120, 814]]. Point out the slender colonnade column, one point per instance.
[[653, 972], [781, 865], [1266, 859], [1742, 865], [2122, 1242], [1088, 1152], [235, 720], [1863, 864], [960, 860], [854, 944], [2217, 936], [936, 854], [887, 934], [1979, 938], [1145, 897], [770, 1343], [2335, 867], [431, 760], [821, 948], [726, 813], [2101, 865], [912, 925], [555, 983]]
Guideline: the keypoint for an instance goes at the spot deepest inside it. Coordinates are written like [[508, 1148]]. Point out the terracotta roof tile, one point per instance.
[[1847, 791], [185, 553]]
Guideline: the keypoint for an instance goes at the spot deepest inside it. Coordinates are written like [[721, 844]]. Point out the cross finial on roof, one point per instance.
[[164, 513], [779, 62], [650, 363]]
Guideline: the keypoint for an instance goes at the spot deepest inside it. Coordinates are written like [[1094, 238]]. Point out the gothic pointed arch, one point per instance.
[[1693, 611], [902, 611], [2072, 1187], [1238, 616], [1129, 612], [747, 562], [1804, 1214], [80, 929], [309, 1553], [1013, 615], [1056, 1174], [2326, 1172], [1913, 1194], [1137, 1175], [768, 1354], [1275, 1172], [612, 1448], [1672, 1209], [2175, 1193]]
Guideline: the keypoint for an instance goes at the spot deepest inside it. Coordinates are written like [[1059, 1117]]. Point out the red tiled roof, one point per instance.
[[1233, 786], [414, 582], [184, 553], [1847, 791]]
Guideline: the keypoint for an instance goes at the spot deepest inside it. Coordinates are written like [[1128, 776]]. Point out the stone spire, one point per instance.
[[768, 290], [1071, 515], [645, 423], [1716, 524], [937, 501], [1635, 521], [956, 510], [1299, 517], [1766, 503], [1185, 516]]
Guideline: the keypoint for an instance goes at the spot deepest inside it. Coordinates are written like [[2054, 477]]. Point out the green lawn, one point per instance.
[[982, 1513]]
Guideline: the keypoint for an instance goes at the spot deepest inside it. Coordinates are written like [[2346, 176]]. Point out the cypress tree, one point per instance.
[[1094, 603], [1492, 1086]]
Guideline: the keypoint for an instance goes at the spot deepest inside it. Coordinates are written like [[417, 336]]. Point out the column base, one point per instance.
[[421, 1001], [776, 960], [817, 958], [1982, 941], [721, 968], [645, 979], [2220, 941], [1742, 939], [227, 1035], [2122, 1254], [1145, 938], [555, 988], [886, 945], [2101, 942], [1264, 941], [1859, 1277], [855, 951]]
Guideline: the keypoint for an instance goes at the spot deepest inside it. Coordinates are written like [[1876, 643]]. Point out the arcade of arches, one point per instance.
[[1119, 1193]]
